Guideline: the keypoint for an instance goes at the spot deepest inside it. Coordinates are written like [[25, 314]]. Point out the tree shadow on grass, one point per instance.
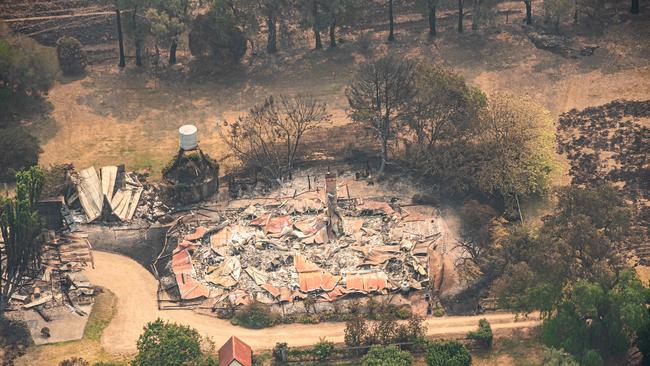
[[33, 113]]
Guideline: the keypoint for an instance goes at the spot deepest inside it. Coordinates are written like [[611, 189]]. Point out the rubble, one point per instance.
[[282, 249], [560, 45], [59, 289]]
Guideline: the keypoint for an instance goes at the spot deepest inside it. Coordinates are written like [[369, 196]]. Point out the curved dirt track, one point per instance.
[[135, 289]]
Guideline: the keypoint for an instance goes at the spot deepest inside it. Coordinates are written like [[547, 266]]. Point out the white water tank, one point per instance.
[[188, 137]]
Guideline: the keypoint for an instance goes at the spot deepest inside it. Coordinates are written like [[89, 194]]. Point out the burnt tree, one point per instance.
[[431, 13], [391, 22], [319, 44], [460, 16], [379, 97], [120, 36], [529, 11]]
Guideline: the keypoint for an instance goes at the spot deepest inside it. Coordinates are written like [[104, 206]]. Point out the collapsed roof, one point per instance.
[[281, 250]]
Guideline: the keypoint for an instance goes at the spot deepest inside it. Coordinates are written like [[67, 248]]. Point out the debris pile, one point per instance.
[[560, 45], [59, 287], [110, 194], [313, 244]]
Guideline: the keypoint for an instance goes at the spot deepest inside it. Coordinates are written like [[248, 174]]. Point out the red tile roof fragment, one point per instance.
[[197, 234], [274, 291]]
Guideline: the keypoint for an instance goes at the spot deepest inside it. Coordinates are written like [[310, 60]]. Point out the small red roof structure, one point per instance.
[[235, 353]]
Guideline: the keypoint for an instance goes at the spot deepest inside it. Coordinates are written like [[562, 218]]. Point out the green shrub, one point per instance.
[[557, 357], [449, 353], [255, 316], [323, 349], [168, 344], [221, 41], [438, 312], [72, 57], [484, 334], [386, 356], [308, 319], [18, 150], [356, 331], [592, 358], [399, 312]]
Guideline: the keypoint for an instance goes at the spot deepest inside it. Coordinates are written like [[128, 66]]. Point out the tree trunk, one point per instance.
[[476, 15], [120, 37], [333, 35], [271, 46], [138, 52], [172, 51], [529, 12], [391, 26], [384, 155], [432, 20], [319, 44], [138, 41], [460, 16], [635, 7]]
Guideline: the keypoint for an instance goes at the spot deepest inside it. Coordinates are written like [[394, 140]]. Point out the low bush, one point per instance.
[[281, 352], [18, 150], [592, 358], [386, 356], [255, 316], [323, 350], [448, 353], [484, 334], [72, 57], [74, 361], [557, 357]]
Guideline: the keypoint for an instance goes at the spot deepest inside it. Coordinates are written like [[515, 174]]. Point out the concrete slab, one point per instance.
[[66, 325]]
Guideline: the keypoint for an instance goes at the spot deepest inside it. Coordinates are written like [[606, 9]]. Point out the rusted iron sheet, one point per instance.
[[190, 288], [182, 262], [365, 283]]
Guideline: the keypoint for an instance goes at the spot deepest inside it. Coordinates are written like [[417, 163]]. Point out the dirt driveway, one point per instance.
[[135, 289]]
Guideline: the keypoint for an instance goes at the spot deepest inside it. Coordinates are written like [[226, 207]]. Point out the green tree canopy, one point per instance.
[[448, 353], [593, 307], [27, 69], [168, 344]]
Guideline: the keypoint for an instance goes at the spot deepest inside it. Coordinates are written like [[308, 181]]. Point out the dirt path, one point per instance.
[[135, 289]]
